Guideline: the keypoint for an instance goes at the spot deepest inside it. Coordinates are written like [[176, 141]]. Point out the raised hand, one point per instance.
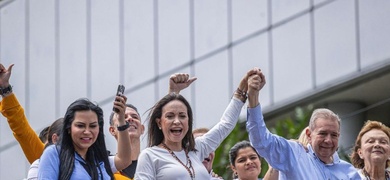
[[242, 90], [120, 104], [179, 81], [5, 74], [256, 82]]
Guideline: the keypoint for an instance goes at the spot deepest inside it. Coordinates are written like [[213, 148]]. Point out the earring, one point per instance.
[[159, 128], [235, 175]]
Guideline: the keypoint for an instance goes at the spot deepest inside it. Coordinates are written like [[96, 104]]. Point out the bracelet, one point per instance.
[[123, 127], [6, 90], [242, 94]]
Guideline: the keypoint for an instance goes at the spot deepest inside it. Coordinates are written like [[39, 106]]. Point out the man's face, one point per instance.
[[324, 138], [136, 129], [208, 161]]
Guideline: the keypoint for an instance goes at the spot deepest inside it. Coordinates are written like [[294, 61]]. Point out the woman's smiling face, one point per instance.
[[84, 130], [375, 147], [174, 123]]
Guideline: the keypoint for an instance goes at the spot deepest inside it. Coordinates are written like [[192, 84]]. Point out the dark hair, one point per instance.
[[127, 105], [95, 154], [43, 134], [54, 128], [155, 135], [233, 152], [368, 126]]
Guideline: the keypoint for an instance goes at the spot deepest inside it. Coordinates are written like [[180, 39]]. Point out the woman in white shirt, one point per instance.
[[173, 153]]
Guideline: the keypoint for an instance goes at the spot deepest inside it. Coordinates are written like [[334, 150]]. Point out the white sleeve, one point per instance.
[[145, 168], [111, 159], [33, 171], [210, 141]]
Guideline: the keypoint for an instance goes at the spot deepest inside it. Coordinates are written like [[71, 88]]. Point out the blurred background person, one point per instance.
[[53, 136], [208, 161], [43, 134], [135, 130]]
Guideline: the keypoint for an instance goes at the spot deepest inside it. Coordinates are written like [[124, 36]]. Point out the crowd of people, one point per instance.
[[73, 146]]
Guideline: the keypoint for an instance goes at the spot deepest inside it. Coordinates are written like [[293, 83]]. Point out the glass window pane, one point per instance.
[[335, 38], [292, 62]]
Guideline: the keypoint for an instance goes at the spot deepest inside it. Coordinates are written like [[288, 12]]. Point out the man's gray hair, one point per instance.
[[324, 114]]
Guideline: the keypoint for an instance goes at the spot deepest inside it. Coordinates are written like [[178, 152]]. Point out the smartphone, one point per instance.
[[119, 91]]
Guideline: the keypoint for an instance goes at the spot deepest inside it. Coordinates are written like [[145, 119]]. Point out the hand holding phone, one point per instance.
[[120, 91]]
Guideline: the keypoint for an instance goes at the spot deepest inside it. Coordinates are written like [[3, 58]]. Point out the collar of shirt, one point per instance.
[[335, 156]]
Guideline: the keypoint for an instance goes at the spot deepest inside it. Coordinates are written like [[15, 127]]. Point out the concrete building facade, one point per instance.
[[329, 53]]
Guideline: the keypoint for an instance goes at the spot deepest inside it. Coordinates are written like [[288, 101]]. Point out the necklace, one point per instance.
[[369, 178], [192, 173]]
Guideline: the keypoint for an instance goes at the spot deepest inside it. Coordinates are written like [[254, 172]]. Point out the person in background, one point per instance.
[[173, 153], [273, 174], [290, 157], [177, 82], [371, 153], [135, 130], [245, 162], [43, 134], [11, 109], [53, 136], [82, 153], [208, 161]]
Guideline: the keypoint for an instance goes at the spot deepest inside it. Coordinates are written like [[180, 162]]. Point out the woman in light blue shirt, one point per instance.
[[82, 153]]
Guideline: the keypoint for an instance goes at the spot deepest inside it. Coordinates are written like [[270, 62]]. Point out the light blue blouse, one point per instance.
[[49, 166]]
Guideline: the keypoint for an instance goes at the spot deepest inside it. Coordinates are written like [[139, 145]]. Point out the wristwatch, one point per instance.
[[123, 127], [6, 90]]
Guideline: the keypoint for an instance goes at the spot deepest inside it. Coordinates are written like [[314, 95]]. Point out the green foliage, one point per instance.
[[290, 128], [221, 160], [343, 153]]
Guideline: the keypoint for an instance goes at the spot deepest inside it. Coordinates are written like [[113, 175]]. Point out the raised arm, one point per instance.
[[255, 123], [212, 139], [259, 135], [278, 151], [123, 157], [179, 81], [11, 109]]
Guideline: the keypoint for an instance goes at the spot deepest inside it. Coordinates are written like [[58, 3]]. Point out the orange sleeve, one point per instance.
[[119, 176], [31, 145]]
